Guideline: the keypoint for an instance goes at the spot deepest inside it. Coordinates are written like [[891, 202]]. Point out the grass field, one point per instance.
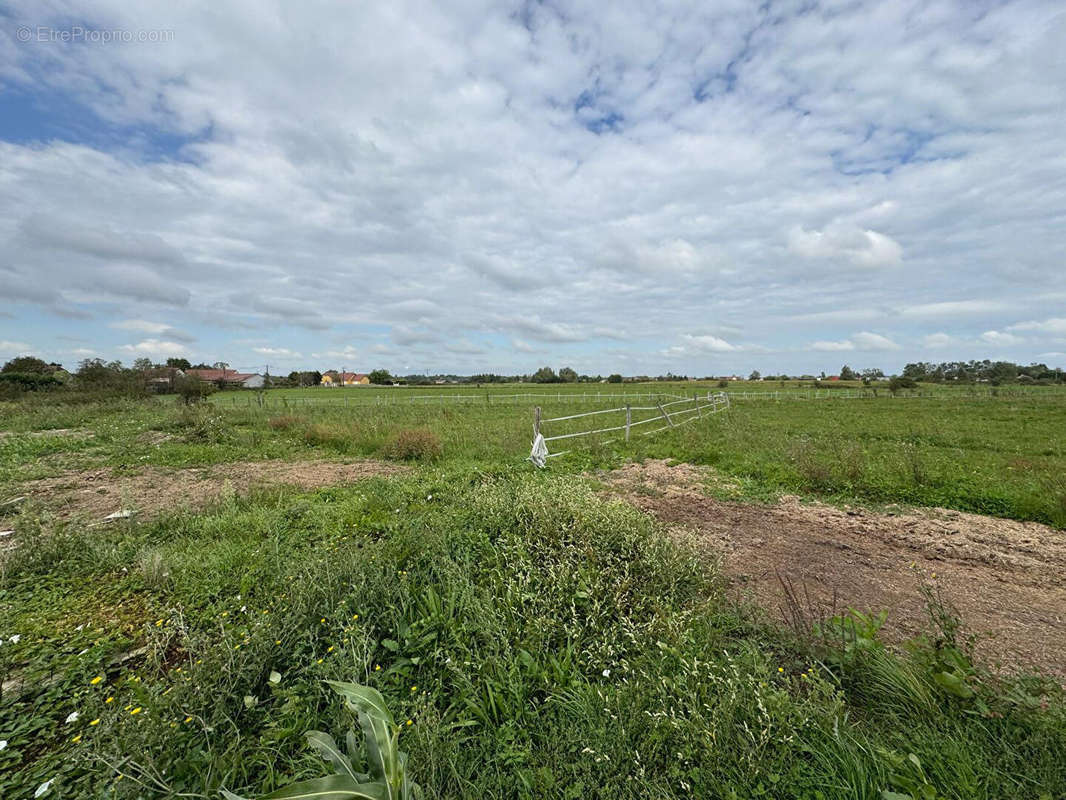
[[542, 639]]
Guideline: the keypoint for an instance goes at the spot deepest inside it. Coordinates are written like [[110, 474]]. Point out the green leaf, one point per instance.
[[364, 698], [380, 749], [887, 795], [328, 749], [231, 795], [952, 684], [331, 787]]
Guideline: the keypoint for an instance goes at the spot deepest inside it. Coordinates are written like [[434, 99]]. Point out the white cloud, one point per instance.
[[860, 341], [19, 348], [954, 308], [938, 340], [873, 341], [829, 347], [1055, 326], [155, 347], [843, 242], [1001, 339], [278, 352], [157, 328]]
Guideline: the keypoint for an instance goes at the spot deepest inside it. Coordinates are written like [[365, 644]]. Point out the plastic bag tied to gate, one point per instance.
[[539, 454]]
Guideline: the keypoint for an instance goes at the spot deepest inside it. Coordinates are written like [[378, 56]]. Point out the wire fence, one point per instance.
[[264, 399], [675, 414]]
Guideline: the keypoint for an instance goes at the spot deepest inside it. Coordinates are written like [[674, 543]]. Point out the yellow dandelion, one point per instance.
[[355, 616], [780, 669], [96, 680], [159, 623], [330, 650], [410, 722], [277, 641], [323, 619], [137, 710], [76, 739], [321, 660], [188, 719], [236, 647], [110, 700], [414, 688], [377, 668], [95, 721]]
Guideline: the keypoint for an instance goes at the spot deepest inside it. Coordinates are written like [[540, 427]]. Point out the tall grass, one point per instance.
[[542, 642]]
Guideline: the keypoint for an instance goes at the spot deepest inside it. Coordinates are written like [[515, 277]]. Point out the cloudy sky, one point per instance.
[[703, 187]]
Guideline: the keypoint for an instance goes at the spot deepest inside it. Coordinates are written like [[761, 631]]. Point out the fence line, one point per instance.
[[715, 402]]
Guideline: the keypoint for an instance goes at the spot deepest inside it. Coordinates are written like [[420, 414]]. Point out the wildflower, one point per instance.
[[780, 669], [410, 722], [72, 717], [606, 673], [355, 616], [414, 688], [159, 623], [135, 711], [76, 739], [110, 700], [188, 719], [322, 620], [321, 660], [236, 647], [96, 680], [330, 650], [95, 721], [15, 640], [277, 641], [377, 668]]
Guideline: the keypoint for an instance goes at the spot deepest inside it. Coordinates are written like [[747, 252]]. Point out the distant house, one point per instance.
[[228, 377], [332, 378]]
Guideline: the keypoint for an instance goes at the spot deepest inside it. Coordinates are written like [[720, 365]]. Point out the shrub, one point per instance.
[[416, 444], [202, 423]]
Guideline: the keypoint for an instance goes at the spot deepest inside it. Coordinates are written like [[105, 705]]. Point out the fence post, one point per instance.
[[696, 400], [629, 419], [536, 422], [666, 416]]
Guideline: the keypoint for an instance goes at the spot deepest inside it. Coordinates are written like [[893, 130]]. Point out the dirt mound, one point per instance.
[[96, 493], [1004, 577]]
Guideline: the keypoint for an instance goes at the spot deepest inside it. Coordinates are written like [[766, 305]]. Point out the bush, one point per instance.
[[202, 423], [902, 382], [417, 444], [332, 435]]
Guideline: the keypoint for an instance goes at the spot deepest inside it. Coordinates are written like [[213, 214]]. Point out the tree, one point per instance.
[[381, 377], [179, 363], [29, 365], [545, 375], [614, 378], [567, 375], [848, 374], [222, 365], [755, 376], [142, 364]]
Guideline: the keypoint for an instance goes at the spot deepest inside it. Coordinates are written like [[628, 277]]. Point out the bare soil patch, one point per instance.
[[96, 493], [1006, 578]]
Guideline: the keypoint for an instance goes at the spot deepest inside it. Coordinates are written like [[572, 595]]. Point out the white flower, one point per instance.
[[15, 638], [72, 717], [606, 673], [3, 744], [80, 627], [243, 607], [44, 787]]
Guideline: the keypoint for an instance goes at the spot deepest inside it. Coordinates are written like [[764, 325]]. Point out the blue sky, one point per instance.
[[703, 188]]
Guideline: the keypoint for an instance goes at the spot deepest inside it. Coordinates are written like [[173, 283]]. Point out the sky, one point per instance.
[[704, 187]]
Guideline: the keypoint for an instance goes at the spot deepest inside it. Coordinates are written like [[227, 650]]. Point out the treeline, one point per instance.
[[986, 371]]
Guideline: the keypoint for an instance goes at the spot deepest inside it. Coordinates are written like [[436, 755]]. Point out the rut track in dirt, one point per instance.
[[1006, 578]]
